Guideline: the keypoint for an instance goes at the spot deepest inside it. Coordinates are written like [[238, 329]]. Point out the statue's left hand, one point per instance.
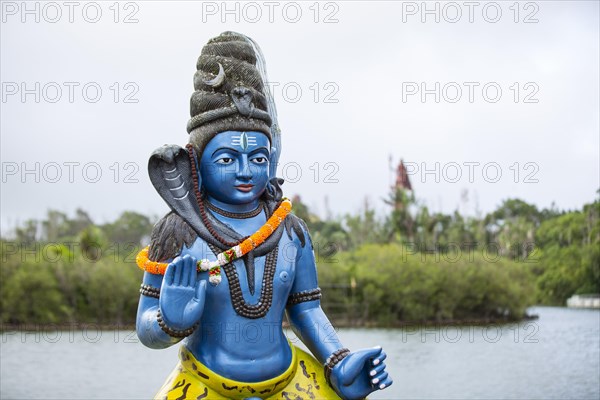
[[360, 373]]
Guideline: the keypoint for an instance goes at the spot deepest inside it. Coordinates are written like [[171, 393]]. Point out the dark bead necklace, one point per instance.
[[265, 300], [228, 214]]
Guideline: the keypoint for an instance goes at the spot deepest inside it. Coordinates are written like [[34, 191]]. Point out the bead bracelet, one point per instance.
[[333, 360], [173, 332]]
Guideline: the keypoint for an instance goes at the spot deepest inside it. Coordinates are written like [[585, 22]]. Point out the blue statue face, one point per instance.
[[235, 167]]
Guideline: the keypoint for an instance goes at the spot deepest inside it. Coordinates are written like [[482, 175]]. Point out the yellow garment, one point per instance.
[[193, 380]]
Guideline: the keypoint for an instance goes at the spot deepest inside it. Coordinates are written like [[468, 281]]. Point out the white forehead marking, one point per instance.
[[244, 140]]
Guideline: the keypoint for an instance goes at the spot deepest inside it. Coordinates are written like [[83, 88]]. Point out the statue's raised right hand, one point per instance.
[[182, 294]]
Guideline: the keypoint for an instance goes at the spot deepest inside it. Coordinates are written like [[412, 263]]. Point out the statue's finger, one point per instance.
[[170, 273], [200, 291], [377, 370], [365, 354], [177, 273], [192, 272], [379, 359], [355, 363], [385, 383], [379, 378], [185, 274]]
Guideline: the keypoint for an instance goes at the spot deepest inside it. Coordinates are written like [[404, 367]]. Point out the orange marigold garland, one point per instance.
[[153, 267], [229, 255]]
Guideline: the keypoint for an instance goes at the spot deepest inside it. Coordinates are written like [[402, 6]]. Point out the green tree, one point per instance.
[[131, 227], [401, 219], [27, 233], [55, 226]]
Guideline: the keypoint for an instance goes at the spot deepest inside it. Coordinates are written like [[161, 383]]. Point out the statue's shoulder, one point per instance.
[[295, 226], [169, 235]]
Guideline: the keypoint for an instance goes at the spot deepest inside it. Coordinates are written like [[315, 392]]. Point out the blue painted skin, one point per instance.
[[242, 349]]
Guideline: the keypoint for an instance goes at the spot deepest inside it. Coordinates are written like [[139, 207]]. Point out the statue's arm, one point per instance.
[[148, 330], [171, 305], [306, 316], [353, 375]]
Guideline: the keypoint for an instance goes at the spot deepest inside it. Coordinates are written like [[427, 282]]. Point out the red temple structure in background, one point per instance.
[[402, 185], [402, 181]]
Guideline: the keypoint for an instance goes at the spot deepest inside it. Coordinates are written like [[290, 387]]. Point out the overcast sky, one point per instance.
[[90, 90]]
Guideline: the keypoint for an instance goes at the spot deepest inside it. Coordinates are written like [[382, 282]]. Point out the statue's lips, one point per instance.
[[244, 188]]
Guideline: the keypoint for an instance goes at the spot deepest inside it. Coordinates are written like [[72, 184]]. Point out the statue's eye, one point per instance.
[[225, 160], [259, 160]]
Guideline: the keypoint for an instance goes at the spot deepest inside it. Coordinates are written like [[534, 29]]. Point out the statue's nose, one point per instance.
[[244, 171]]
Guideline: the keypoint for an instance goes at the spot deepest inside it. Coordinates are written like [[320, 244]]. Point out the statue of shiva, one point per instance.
[[230, 259]]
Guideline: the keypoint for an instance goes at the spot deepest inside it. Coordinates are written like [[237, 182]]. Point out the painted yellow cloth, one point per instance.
[[304, 379]]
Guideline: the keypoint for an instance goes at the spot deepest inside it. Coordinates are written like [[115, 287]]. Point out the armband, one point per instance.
[[301, 297], [150, 291]]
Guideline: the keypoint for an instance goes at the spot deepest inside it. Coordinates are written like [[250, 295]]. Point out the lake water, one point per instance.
[[554, 357]]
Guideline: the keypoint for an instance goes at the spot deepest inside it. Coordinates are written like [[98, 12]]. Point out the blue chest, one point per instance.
[[274, 276]]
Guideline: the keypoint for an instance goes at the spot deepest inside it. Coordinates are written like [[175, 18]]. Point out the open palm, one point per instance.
[[182, 294]]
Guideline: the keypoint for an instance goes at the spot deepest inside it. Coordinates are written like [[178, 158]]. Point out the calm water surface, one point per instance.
[[555, 357]]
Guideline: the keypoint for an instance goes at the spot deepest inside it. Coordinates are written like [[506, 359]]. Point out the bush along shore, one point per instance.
[[409, 267]]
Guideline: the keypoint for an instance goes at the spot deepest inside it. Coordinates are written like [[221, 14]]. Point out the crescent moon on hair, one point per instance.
[[217, 80]]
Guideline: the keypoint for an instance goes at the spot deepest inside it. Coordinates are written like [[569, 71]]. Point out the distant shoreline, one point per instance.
[[447, 322], [85, 326]]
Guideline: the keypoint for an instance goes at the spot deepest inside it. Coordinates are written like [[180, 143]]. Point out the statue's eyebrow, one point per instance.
[[224, 148], [262, 148]]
